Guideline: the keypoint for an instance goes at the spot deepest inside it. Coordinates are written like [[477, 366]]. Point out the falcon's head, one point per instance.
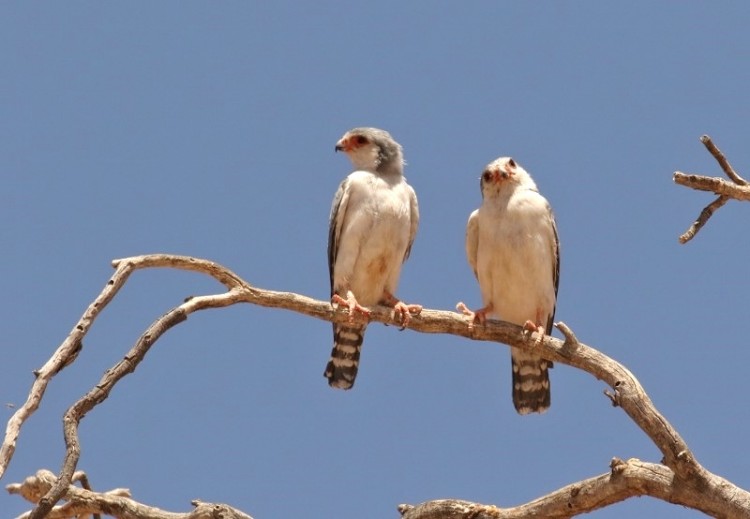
[[371, 149], [504, 175]]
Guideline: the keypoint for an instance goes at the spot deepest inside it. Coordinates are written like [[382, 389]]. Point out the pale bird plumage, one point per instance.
[[373, 222], [513, 249]]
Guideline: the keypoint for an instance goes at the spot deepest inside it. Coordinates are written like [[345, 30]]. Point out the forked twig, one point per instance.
[[737, 189]]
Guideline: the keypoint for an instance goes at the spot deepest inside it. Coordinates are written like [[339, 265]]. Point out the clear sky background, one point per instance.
[[208, 129]]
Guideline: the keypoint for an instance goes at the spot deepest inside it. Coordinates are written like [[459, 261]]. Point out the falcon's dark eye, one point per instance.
[[487, 175], [361, 139], [511, 163]]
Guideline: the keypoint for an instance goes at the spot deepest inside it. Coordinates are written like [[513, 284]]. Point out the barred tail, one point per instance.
[[531, 389], [342, 368]]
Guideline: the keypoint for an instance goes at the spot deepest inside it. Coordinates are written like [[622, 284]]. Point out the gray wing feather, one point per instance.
[[472, 241], [555, 267], [335, 221], [413, 220]]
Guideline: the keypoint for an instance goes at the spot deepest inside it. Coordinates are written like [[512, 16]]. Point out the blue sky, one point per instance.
[[207, 129]]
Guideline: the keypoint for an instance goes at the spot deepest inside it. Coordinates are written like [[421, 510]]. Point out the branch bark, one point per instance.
[[81, 502], [626, 479], [680, 479], [737, 189]]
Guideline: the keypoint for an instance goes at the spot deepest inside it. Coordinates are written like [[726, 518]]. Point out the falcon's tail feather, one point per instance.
[[531, 388], [342, 368]]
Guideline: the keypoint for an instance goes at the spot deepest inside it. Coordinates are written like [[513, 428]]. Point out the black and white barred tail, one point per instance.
[[342, 368], [531, 389]]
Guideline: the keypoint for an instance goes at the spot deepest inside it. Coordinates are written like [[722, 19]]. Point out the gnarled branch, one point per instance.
[[626, 479], [81, 502], [681, 479]]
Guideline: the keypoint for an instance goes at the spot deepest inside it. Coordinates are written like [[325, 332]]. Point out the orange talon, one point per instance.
[[530, 327], [406, 311], [399, 307], [351, 303], [479, 316]]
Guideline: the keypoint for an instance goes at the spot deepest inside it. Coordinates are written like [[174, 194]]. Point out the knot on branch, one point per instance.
[[215, 511], [448, 509], [33, 487], [617, 466], [616, 396], [683, 463], [571, 341]]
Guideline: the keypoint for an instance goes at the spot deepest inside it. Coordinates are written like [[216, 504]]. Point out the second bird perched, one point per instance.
[[373, 222], [513, 249]]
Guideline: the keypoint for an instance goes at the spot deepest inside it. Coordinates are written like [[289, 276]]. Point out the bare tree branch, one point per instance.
[[714, 184], [626, 479], [681, 479], [737, 189], [117, 503], [67, 352]]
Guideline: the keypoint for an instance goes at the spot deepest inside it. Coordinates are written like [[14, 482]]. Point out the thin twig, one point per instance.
[[707, 212], [101, 391], [722, 160], [63, 356]]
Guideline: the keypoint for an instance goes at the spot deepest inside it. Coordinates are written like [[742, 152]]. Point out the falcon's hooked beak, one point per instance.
[[504, 174], [345, 145], [351, 142], [496, 176]]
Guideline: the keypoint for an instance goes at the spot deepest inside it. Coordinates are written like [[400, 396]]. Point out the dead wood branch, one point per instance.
[[626, 479], [81, 502], [681, 479], [737, 189]]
